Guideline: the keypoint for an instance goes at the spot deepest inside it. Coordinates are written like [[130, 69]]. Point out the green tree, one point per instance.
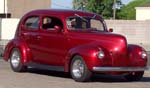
[[128, 12], [102, 7], [79, 4]]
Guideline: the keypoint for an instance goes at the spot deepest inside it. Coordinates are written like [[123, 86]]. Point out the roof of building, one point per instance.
[[145, 5]]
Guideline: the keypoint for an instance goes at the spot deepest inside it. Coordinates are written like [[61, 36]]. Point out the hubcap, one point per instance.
[[78, 68], [15, 59]]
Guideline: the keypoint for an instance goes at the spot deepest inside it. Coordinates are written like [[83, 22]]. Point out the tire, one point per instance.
[[134, 76], [79, 70], [15, 61]]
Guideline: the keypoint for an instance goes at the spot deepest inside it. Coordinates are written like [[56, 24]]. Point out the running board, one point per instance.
[[45, 67]]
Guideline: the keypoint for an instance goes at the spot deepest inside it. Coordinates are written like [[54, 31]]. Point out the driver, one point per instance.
[[47, 23]]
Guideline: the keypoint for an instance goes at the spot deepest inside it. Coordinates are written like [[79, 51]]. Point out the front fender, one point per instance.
[[22, 46], [88, 52], [135, 55]]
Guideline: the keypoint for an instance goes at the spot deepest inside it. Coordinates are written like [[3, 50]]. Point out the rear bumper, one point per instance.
[[98, 69]]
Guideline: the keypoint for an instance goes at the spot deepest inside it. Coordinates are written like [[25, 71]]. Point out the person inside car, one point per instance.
[[47, 23]]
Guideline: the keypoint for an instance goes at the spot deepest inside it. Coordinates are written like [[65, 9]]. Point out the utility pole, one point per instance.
[[5, 8], [114, 10]]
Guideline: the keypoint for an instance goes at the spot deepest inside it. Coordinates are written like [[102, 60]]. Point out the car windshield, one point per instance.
[[84, 23]]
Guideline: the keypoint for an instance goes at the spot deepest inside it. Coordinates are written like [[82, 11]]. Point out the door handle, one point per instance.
[[38, 37], [24, 34]]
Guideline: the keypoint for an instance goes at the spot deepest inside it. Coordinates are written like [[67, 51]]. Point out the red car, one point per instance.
[[73, 41]]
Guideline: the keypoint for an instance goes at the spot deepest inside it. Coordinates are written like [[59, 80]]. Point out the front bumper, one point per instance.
[[98, 69]]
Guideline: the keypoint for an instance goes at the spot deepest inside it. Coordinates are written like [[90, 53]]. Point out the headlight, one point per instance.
[[100, 54], [143, 54]]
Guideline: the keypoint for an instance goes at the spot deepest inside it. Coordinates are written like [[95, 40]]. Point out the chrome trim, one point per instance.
[[121, 68]]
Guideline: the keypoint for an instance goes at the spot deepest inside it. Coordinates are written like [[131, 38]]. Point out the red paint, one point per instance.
[[57, 47]]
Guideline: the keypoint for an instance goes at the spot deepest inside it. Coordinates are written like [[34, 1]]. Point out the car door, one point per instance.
[[30, 33], [52, 46]]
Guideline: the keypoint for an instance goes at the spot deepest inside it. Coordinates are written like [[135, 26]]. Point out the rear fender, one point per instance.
[[23, 48]]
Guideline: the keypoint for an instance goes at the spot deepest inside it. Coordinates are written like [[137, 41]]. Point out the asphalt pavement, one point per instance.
[[35, 78]]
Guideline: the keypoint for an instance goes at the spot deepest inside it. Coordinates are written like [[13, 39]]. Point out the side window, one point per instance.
[[32, 23], [48, 23], [72, 23], [84, 23], [75, 23]]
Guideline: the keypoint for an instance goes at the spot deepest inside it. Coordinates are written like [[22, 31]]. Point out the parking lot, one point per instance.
[[46, 79]]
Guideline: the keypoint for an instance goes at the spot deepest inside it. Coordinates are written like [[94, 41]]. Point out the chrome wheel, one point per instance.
[[78, 68], [15, 59]]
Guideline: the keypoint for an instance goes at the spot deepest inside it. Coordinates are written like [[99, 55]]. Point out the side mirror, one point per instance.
[[110, 30], [57, 28]]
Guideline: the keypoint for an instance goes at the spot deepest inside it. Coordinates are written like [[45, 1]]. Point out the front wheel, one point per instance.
[[79, 70], [15, 61], [134, 76]]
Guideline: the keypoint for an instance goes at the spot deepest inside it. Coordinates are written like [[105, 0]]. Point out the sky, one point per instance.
[[62, 4], [67, 4]]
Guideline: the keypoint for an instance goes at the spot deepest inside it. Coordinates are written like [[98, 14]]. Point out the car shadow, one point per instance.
[[107, 78], [145, 79], [49, 73], [115, 78], [95, 78]]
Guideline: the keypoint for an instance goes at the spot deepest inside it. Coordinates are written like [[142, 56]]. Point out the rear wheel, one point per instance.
[[134, 76], [79, 70], [15, 61]]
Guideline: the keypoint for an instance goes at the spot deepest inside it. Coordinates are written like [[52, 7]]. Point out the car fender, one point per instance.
[[87, 51], [22, 46]]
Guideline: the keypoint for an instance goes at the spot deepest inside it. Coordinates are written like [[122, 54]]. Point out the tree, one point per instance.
[[80, 4], [128, 12], [102, 7]]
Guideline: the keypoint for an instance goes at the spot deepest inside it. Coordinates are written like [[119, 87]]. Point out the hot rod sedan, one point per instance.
[[76, 42]]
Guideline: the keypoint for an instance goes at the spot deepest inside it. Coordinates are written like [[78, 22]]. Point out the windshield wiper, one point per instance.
[[81, 17]]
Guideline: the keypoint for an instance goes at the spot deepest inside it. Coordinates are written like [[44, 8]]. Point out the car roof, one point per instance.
[[61, 12]]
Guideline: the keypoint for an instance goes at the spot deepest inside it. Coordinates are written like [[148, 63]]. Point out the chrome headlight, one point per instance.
[[101, 54], [143, 54]]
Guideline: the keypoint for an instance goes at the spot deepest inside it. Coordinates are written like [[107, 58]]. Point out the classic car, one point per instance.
[[73, 41]]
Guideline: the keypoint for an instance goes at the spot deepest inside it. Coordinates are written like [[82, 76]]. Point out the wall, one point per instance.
[[18, 8], [8, 28], [1, 6], [142, 13], [136, 32]]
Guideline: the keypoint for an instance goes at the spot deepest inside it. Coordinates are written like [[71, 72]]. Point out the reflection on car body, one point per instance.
[[73, 41]]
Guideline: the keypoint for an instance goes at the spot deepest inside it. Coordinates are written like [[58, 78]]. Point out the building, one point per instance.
[[143, 12], [17, 8], [3, 8]]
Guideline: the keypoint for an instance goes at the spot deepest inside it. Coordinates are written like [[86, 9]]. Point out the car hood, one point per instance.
[[110, 41]]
